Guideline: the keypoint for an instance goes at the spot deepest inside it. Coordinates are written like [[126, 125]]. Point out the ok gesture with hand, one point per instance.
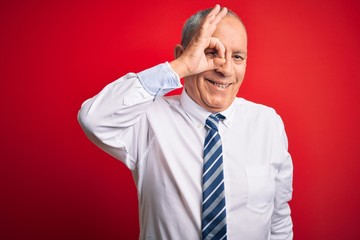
[[192, 59]]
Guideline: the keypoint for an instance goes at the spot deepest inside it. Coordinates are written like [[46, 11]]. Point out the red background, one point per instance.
[[303, 61]]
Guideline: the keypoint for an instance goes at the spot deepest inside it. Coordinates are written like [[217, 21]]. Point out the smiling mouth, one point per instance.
[[223, 86]]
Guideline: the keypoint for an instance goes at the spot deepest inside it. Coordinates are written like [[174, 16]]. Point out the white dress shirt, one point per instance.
[[160, 139]]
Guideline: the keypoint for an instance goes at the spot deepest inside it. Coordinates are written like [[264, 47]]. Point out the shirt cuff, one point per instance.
[[159, 80]]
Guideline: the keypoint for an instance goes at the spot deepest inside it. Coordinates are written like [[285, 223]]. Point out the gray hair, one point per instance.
[[192, 24]]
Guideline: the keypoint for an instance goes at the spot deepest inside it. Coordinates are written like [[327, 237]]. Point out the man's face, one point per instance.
[[215, 90]]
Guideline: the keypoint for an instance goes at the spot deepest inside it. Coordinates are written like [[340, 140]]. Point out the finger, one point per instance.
[[216, 44], [218, 62], [220, 59], [211, 21], [218, 16], [214, 12]]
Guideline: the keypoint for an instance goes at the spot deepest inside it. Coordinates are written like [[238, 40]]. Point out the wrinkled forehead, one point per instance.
[[234, 23], [231, 31]]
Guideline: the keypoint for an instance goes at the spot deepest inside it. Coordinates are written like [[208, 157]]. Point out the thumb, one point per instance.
[[217, 62]]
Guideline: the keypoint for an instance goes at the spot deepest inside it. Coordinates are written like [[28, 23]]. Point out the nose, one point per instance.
[[226, 69]]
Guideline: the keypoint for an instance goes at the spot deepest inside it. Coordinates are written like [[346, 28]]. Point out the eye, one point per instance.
[[211, 53], [238, 57]]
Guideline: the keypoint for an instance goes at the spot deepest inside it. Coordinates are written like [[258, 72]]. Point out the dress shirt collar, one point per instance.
[[198, 114]]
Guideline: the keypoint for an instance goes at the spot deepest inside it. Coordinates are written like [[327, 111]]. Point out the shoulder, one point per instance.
[[164, 105], [259, 117], [256, 112], [244, 105], [167, 101]]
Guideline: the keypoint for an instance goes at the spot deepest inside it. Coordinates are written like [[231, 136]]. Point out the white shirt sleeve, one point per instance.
[[281, 223], [111, 118]]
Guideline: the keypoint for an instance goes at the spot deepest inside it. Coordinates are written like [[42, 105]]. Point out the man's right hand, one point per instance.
[[192, 60]]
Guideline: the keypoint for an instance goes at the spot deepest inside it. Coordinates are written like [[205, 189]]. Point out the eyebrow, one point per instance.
[[240, 52]]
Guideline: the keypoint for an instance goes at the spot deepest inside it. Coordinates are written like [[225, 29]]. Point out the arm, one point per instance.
[[110, 119], [281, 223]]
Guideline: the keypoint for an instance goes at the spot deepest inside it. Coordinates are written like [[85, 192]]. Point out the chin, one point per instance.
[[216, 107]]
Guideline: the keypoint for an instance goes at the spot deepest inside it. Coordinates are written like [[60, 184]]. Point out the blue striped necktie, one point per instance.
[[213, 204]]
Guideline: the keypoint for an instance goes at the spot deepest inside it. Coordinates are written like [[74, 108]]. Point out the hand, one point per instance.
[[193, 60]]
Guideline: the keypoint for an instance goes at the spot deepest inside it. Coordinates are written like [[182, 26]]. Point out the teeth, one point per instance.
[[219, 85]]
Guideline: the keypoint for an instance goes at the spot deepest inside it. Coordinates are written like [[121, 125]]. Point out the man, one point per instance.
[[223, 176]]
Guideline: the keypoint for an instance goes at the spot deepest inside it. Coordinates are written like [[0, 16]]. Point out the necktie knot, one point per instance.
[[212, 121]]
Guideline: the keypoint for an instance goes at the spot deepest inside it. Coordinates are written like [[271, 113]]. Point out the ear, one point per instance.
[[179, 49]]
